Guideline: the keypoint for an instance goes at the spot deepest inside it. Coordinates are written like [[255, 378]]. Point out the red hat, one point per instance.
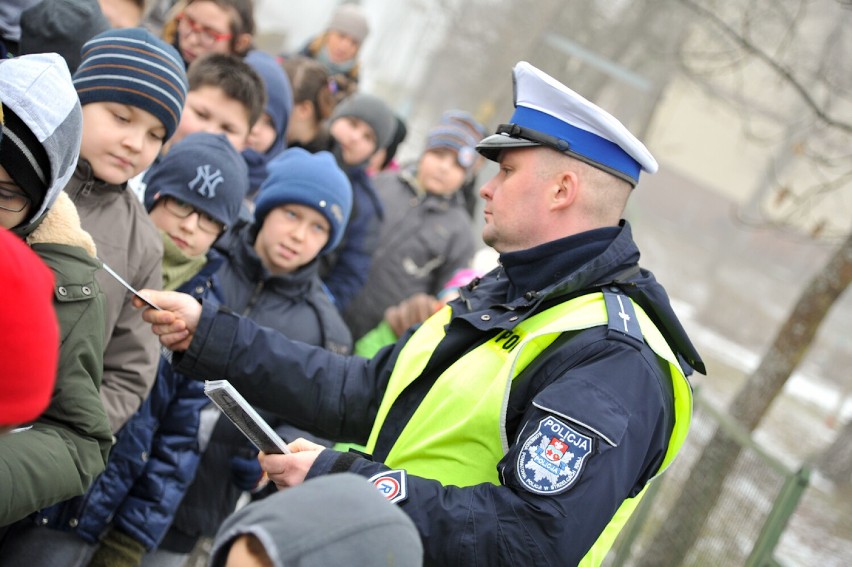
[[29, 333]]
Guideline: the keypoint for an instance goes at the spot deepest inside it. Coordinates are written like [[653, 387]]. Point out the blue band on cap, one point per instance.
[[582, 142]]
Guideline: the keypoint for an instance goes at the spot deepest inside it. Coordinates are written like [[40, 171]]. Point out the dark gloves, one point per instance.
[[118, 550], [246, 473]]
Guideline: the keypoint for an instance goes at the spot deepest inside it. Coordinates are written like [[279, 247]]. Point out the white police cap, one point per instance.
[[547, 113]]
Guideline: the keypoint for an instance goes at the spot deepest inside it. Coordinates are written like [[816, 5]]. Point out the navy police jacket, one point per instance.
[[592, 378]]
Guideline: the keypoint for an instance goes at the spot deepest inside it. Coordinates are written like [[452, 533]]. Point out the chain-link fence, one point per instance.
[[753, 507]]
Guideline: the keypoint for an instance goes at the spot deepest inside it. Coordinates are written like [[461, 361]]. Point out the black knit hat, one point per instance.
[[23, 157], [61, 26]]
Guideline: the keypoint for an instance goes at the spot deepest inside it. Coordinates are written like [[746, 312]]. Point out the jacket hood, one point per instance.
[[38, 89], [279, 95], [295, 528]]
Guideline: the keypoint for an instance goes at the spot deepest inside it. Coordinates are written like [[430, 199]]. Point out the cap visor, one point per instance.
[[491, 146]]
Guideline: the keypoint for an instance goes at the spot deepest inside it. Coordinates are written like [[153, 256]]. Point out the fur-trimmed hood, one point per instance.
[[61, 225]]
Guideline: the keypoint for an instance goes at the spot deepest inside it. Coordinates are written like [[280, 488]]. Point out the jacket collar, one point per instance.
[[85, 181], [527, 278]]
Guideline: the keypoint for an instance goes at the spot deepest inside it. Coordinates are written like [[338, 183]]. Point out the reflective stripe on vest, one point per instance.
[[457, 434]]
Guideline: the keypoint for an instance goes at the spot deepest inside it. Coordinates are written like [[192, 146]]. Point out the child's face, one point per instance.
[[356, 138], [302, 126], [262, 135], [341, 47], [290, 237], [209, 110], [240, 555], [439, 172], [12, 197], [119, 141], [121, 13], [190, 229], [204, 27]]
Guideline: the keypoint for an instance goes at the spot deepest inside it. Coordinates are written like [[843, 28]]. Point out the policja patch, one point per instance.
[[553, 457]]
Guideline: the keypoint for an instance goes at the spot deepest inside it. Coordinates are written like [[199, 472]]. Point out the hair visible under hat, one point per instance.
[[131, 66], [24, 158]]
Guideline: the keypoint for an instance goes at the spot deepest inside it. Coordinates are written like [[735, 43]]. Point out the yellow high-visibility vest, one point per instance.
[[457, 434]]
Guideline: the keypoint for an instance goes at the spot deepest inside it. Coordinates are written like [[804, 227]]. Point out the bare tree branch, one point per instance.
[[785, 73]]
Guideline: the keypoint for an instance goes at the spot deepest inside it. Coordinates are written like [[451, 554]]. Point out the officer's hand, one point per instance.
[[290, 470], [176, 320], [411, 311]]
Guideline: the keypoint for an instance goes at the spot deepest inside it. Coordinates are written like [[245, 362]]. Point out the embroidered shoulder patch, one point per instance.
[[393, 485], [552, 457]]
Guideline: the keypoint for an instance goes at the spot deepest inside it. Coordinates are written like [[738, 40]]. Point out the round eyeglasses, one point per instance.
[[182, 210]]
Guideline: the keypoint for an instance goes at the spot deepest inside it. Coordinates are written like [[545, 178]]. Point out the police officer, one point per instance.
[[521, 424]]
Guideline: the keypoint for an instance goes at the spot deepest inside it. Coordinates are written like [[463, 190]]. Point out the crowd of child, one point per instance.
[[154, 141]]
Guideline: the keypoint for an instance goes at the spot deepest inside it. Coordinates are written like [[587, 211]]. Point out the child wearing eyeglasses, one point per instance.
[[57, 454], [270, 275], [198, 27], [199, 187]]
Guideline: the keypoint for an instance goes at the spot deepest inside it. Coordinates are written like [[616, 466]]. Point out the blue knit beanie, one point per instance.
[[314, 180], [205, 171], [131, 66]]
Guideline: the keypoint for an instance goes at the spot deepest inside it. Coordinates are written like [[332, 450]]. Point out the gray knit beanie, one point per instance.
[[372, 110], [350, 20]]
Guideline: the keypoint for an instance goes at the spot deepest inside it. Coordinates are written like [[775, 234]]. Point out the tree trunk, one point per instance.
[[684, 525], [836, 461]]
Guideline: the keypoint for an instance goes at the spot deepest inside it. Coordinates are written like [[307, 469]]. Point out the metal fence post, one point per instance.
[[784, 506], [636, 523]]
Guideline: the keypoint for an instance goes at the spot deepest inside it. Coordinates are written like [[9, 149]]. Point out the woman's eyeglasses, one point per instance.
[[206, 36]]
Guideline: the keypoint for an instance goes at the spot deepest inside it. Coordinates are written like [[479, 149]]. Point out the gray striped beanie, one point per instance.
[[133, 67]]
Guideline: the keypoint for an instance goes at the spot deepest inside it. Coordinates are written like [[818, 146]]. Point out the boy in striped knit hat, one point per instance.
[[132, 87], [426, 235]]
